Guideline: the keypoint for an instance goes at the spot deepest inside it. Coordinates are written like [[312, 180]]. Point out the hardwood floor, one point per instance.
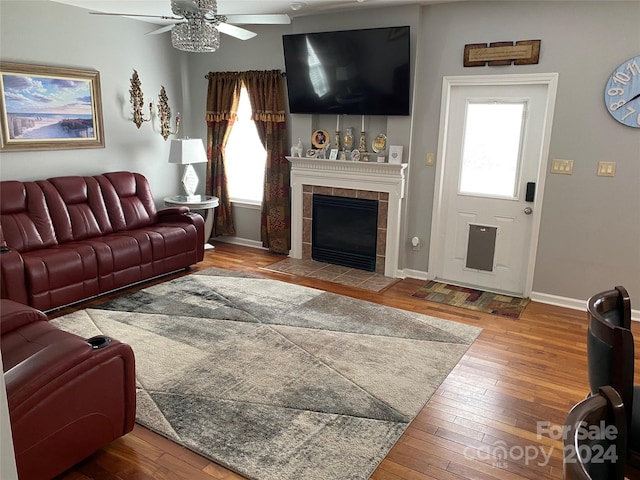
[[482, 423]]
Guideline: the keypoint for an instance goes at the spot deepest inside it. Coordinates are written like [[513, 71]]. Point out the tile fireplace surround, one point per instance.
[[381, 181]]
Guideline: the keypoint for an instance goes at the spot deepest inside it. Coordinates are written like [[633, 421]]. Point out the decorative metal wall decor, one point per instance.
[[165, 115], [136, 97]]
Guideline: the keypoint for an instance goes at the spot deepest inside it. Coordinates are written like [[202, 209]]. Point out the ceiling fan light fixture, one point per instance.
[[194, 8], [195, 36]]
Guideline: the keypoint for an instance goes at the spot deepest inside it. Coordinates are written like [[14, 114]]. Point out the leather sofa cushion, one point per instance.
[[64, 273], [122, 259], [128, 200], [26, 224], [76, 207]]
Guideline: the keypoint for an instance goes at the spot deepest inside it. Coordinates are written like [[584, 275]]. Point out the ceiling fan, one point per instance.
[[196, 26]]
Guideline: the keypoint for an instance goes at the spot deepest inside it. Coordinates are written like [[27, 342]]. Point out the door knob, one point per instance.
[[528, 210]]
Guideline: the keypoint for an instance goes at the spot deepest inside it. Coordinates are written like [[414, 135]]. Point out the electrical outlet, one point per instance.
[[606, 169], [562, 166], [431, 159]]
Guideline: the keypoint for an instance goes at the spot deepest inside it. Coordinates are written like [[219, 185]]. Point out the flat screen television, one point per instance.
[[353, 72]]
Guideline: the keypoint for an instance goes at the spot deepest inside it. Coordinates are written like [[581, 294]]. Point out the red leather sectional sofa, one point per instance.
[[66, 239]]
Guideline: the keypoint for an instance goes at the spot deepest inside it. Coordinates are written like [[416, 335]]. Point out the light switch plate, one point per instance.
[[564, 167], [606, 169], [431, 159]]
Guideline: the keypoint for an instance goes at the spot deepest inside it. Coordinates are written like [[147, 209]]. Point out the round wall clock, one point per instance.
[[622, 93]]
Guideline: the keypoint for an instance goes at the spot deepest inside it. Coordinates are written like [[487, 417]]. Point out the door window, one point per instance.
[[492, 148]]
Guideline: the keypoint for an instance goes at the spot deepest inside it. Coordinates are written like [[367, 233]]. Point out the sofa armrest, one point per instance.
[[14, 315], [37, 370], [12, 276], [45, 371], [189, 218], [180, 210]]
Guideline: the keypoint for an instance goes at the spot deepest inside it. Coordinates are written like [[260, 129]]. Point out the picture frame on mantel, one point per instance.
[[49, 108], [395, 154]]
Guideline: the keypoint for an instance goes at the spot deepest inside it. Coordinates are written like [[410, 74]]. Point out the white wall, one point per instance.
[[47, 33]]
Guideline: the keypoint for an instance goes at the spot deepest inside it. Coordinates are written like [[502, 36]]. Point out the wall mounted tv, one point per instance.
[[355, 72]]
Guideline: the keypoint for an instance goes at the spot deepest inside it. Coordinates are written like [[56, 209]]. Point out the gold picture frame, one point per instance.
[[49, 108]]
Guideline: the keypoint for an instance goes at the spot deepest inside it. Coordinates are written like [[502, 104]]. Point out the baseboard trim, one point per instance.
[[409, 273], [572, 303], [244, 242], [558, 301]]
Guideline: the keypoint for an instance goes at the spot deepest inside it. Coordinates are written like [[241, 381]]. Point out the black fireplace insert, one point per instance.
[[345, 231]]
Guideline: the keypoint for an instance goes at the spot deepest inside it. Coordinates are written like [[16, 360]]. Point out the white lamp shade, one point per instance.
[[187, 150]]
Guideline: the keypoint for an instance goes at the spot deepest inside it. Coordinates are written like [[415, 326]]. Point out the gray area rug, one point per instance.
[[277, 381]]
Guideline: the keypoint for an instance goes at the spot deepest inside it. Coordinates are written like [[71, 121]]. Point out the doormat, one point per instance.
[[472, 299]]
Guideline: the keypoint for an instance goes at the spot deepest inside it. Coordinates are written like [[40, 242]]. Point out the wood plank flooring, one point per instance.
[[482, 423]]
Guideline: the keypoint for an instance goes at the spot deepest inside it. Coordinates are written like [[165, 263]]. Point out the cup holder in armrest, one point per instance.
[[98, 342], [4, 250]]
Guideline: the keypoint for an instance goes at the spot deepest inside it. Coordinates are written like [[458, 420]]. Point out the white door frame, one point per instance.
[[448, 82]]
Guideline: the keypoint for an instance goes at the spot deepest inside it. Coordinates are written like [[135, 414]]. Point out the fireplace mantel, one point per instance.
[[370, 176]]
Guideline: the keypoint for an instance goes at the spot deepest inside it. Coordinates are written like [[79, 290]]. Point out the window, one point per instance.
[[245, 157], [491, 150]]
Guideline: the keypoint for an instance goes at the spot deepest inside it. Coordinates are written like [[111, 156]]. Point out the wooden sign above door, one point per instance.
[[524, 52]]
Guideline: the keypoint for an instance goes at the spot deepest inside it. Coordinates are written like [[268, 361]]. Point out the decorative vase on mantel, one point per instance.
[[297, 149], [363, 142], [348, 139]]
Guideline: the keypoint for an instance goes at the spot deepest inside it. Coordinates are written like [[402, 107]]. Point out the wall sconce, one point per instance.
[[165, 115], [137, 101]]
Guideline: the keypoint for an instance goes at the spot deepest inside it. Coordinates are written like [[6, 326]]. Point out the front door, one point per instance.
[[492, 159]]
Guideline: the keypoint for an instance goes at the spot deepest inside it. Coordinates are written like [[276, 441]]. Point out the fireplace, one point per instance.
[[381, 182], [345, 231]]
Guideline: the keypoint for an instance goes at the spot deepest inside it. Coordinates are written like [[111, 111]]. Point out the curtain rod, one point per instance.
[[283, 74]]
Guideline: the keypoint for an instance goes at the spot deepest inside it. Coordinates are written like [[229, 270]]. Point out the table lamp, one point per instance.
[[186, 151]]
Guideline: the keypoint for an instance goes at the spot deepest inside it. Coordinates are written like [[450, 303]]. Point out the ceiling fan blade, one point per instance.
[[161, 30], [234, 31], [164, 17], [266, 19]]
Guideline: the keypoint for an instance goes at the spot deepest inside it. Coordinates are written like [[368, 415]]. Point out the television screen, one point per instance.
[[359, 72]]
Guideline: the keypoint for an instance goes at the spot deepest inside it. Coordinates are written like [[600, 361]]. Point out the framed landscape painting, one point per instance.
[[49, 108]]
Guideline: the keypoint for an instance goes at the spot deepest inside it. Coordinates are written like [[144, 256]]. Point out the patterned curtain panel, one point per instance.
[[223, 96], [266, 93]]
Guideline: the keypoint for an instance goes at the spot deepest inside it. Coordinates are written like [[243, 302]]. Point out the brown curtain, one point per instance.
[[223, 96], [266, 93]]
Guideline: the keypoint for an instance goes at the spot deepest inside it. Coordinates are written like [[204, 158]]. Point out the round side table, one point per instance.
[[197, 202]]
